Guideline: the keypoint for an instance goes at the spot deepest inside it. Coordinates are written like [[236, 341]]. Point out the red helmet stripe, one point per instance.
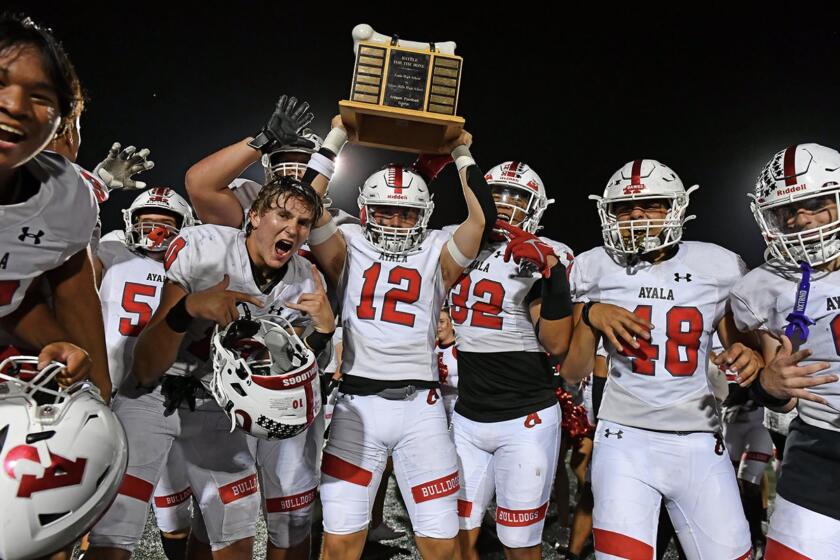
[[790, 165], [636, 173], [513, 169]]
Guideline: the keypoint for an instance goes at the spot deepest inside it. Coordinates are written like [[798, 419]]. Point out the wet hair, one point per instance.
[[18, 32], [270, 195]]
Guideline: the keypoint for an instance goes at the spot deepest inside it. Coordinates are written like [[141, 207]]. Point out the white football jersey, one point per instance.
[[245, 191], [763, 300], [390, 308], [130, 294], [43, 232], [663, 385], [489, 304], [199, 258]]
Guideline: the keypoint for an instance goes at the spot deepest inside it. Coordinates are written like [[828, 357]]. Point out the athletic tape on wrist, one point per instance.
[[335, 140], [321, 234], [178, 318], [456, 254], [462, 156]]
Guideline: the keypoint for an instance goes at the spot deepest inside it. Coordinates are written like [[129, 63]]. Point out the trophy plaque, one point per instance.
[[404, 94]]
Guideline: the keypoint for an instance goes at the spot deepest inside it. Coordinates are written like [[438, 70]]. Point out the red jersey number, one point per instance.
[[142, 309], [408, 291], [684, 329], [485, 312]]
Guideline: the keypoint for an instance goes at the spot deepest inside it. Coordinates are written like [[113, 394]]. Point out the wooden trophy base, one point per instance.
[[404, 130]]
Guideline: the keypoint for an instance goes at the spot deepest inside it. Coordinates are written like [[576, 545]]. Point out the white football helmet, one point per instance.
[[807, 172], [643, 179], [153, 236], [265, 378], [519, 188], [274, 165], [395, 185], [63, 455]]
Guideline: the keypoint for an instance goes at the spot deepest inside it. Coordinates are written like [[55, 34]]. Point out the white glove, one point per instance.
[[117, 170]]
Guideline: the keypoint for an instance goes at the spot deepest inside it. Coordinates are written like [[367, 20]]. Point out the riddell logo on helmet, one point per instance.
[[796, 188], [634, 189], [397, 196]]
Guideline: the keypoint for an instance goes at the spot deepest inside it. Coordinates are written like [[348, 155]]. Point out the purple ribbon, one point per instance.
[[797, 320]]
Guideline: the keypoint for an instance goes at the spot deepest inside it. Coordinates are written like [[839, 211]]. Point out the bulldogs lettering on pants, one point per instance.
[[173, 495]]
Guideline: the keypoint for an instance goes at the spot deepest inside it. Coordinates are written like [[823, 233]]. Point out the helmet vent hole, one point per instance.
[[39, 436], [238, 388], [47, 518]]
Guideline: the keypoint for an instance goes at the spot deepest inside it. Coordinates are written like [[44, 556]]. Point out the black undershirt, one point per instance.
[[810, 474], [499, 386]]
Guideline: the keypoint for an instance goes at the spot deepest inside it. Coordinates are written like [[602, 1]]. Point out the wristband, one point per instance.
[[462, 156], [317, 341], [460, 259], [322, 164], [262, 142], [178, 318], [585, 315], [556, 295], [321, 234], [335, 140], [760, 395]]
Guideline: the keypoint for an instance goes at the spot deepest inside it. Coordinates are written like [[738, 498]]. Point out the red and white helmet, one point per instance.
[[518, 187], [63, 455], [153, 236], [643, 179], [265, 378], [275, 165], [797, 174], [395, 185]]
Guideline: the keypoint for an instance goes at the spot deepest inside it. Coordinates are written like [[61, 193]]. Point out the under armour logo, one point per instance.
[[618, 434], [686, 277], [497, 255], [532, 420], [275, 309], [24, 234]]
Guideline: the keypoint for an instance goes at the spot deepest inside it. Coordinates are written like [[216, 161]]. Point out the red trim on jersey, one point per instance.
[[620, 545], [285, 381], [290, 503], [173, 500], [520, 517], [136, 488], [790, 165], [756, 456], [434, 489], [238, 489], [339, 468], [464, 508], [636, 172]]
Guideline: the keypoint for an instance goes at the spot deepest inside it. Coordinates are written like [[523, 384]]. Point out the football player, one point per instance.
[[656, 300], [791, 301], [394, 274], [210, 269], [447, 362], [222, 197], [38, 191], [129, 272], [511, 309]]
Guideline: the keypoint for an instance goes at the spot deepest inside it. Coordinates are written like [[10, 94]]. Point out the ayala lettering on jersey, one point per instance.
[[480, 266], [656, 293], [832, 303], [153, 277], [393, 258]]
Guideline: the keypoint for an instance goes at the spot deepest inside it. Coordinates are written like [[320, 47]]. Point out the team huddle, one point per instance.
[[251, 350]]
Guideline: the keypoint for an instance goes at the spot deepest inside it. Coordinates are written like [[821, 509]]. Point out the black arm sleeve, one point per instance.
[[598, 384], [478, 185]]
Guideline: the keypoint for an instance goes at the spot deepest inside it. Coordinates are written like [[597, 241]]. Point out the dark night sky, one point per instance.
[[575, 98]]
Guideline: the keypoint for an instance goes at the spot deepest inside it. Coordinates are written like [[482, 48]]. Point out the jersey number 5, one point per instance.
[[141, 308], [644, 358], [408, 295]]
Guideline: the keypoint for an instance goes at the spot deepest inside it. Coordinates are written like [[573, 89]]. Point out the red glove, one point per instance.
[[429, 165], [525, 245]]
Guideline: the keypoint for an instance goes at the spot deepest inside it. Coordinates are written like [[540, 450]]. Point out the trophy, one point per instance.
[[404, 93]]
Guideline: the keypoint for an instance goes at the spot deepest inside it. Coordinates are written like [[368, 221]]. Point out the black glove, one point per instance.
[[176, 390], [285, 126]]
